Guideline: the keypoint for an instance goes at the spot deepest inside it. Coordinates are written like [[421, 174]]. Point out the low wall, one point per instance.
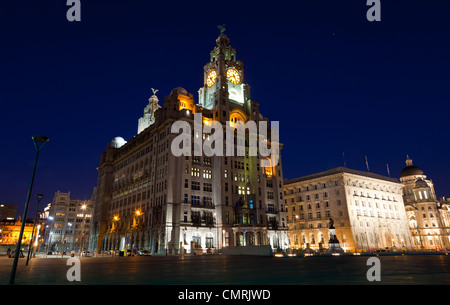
[[248, 250]]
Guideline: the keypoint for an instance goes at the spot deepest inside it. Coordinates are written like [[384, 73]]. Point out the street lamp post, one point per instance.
[[134, 226], [36, 140], [64, 237], [113, 230], [50, 218], [49, 243], [83, 207], [39, 198]]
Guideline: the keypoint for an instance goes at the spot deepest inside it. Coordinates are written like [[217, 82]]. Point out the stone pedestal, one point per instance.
[[333, 243]]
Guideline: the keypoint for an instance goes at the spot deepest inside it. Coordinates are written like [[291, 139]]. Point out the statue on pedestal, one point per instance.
[[333, 243]]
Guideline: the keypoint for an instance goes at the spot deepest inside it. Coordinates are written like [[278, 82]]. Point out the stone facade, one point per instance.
[[367, 210], [69, 222], [10, 231], [149, 198], [428, 217]]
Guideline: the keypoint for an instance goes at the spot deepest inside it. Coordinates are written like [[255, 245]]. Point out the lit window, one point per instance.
[[207, 174], [195, 172]]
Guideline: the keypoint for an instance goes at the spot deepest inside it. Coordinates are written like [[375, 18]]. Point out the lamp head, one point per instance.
[[41, 139]]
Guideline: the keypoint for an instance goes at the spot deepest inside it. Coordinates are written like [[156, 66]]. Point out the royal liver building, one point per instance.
[[151, 197]]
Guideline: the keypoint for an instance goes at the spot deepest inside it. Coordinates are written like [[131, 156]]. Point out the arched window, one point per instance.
[[268, 171], [412, 223], [236, 117], [196, 239], [275, 241]]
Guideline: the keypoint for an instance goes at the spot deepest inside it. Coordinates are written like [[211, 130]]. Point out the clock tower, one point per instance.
[[224, 88]]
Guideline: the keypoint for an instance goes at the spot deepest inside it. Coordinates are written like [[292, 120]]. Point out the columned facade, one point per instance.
[[428, 217], [367, 211]]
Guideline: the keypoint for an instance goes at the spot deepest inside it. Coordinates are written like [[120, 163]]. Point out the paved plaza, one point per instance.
[[231, 270]]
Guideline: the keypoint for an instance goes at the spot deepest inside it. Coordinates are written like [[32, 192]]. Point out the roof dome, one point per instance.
[[180, 90], [420, 184], [117, 142], [411, 170]]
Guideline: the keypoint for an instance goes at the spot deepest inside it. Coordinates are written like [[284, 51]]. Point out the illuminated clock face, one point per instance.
[[211, 78], [233, 76]]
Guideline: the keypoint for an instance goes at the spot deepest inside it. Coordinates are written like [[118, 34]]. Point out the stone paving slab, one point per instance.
[[229, 270]]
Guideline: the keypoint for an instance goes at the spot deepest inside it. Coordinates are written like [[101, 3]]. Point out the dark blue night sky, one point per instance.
[[336, 82]]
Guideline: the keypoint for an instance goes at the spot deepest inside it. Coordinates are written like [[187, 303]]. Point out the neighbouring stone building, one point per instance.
[[428, 217], [367, 210], [68, 223], [10, 231]]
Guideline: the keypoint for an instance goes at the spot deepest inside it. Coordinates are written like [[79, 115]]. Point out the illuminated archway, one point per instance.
[[269, 170], [412, 221], [237, 117]]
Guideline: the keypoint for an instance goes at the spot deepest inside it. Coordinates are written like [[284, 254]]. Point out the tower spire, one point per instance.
[[149, 112], [408, 161]]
